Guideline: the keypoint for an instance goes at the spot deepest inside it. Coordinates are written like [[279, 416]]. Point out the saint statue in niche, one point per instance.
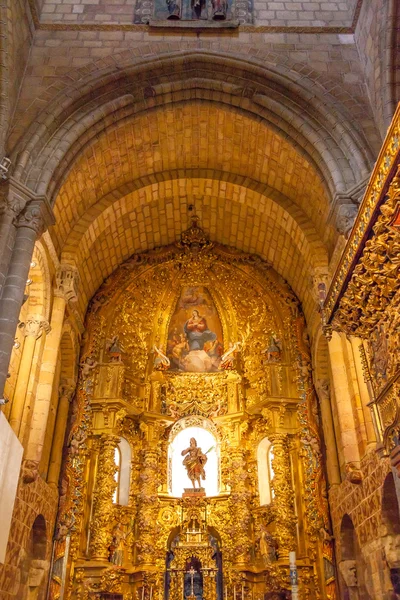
[[194, 338], [194, 462], [199, 9]]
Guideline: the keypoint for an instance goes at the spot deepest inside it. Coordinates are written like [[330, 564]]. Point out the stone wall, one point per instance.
[[363, 504], [32, 499]]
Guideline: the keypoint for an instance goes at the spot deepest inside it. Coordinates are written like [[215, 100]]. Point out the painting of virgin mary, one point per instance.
[[195, 333]]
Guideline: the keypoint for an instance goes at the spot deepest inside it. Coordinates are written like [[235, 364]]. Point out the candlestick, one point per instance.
[[151, 592], [242, 591], [226, 593], [234, 592], [143, 593]]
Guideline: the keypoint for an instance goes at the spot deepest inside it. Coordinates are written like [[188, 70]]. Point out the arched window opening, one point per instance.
[[122, 459], [265, 456], [178, 474], [37, 565]]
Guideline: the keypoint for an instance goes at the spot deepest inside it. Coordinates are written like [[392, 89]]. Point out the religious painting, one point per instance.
[[195, 342]]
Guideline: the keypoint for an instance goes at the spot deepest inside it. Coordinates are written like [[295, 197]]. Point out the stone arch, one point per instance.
[[42, 155], [352, 566]]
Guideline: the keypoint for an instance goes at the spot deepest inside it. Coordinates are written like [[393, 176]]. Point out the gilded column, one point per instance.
[[148, 507], [364, 394], [34, 327], [240, 506], [344, 405], [100, 526], [283, 500], [30, 224], [65, 396], [65, 291]]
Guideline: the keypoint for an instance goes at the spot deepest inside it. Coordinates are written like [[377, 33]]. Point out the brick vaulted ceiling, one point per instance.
[[129, 190]]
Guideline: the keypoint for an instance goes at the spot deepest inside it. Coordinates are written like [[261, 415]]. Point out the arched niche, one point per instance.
[[207, 438], [38, 565], [264, 470], [123, 457], [390, 529]]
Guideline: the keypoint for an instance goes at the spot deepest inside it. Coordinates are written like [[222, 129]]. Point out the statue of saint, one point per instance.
[[194, 462]]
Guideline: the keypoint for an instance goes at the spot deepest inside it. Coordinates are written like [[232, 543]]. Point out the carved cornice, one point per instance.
[[368, 215]]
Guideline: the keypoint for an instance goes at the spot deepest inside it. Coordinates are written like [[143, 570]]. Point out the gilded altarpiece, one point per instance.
[[258, 385]]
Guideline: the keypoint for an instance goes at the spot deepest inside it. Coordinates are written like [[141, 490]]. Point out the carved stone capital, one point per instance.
[[67, 389], [36, 215], [67, 279], [35, 325], [30, 471], [13, 198]]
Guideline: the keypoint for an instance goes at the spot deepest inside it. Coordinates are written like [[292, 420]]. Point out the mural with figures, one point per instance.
[[195, 342]]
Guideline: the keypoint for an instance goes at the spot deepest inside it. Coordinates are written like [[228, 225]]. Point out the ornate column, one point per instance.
[[283, 501], [148, 508], [100, 526], [30, 224], [65, 291], [66, 392], [364, 394], [34, 327], [344, 406], [240, 506]]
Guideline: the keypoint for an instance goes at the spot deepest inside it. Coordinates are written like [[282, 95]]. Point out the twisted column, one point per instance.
[[65, 290], [30, 225], [240, 506], [66, 392], [148, 507], [283, 501], [100, 530], [34, 327]]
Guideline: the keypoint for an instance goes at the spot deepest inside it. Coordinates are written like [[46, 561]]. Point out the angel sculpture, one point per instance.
[[228, 358], [161, 361]]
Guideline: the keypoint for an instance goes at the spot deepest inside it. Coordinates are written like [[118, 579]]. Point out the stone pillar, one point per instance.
[[13, 199], [34, 327], [332, 462], [283, 500], [30, 224], [100, 526], [344, 407], [364, 394], [67, 389], [65, 291]]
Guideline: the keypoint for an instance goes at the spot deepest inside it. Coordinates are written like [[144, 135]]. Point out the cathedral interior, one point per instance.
[[199, 299]]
